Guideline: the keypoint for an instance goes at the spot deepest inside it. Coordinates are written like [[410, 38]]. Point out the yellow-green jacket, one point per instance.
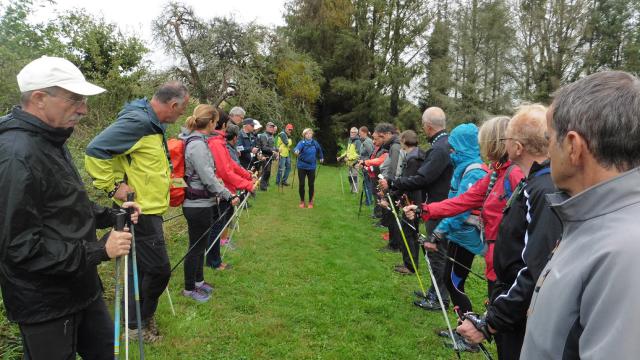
[[352, 154], [284, 144], [134, 149]]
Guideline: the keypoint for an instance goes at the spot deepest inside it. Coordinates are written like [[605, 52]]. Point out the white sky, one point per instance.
[[134, 16]]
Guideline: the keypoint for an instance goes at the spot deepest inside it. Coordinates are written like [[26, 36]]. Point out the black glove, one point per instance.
[[480, 323]]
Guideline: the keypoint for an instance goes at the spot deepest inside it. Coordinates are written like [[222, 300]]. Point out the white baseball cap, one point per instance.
[[256, 125], [50, 71]]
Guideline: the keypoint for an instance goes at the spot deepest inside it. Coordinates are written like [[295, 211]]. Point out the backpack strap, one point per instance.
[[472, 167], [507, 183]]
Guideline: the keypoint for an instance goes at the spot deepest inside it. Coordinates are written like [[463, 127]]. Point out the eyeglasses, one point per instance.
[[76, 102], [505, 139]]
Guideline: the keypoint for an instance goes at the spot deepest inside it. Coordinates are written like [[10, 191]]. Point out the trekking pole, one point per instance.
[[341, 182], [406, 244], [360, 208], [354, 180], [126, 307], [171, 218], [474, 320], [295, 167], [444, 312], [173, 310], [136, 289], [423, 238], [225, 226], [119, 226]]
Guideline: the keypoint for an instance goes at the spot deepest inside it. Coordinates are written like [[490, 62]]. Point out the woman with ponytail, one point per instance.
[[203, 187]]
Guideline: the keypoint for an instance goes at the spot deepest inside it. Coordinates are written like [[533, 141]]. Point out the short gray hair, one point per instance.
[[604, 108], [172, 90], [237, 110], [434, 116], [384, 127]]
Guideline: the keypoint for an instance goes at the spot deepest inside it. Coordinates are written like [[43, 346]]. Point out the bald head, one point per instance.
[[434, 117]]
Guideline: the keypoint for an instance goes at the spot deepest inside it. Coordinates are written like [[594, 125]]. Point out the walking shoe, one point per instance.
[[224, 241], [403, 270], [430, 304], [302, 205], [420, 294], [147, 335], [152, 326], [196, 295], [462, 344], [385, 236], [310, 206], [285, 184], [443, 333], [205, 287]]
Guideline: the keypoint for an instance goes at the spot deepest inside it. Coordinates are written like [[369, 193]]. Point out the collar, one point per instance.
[[437, 136], [600, 199], [58, 136], [536, 167]]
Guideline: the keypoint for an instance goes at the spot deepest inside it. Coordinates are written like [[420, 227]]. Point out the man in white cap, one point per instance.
[[48, 245]]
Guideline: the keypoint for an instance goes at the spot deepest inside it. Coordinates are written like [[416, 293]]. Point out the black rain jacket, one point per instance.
[[529, 230], [48, 245]]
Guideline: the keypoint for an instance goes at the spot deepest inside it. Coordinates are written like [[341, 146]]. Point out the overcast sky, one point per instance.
[[134, 16]]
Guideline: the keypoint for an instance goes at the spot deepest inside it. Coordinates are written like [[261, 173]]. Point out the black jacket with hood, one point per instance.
[[48, 245]]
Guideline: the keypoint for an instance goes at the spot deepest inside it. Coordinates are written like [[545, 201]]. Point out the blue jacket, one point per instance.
[[464, 141], [308, 151]]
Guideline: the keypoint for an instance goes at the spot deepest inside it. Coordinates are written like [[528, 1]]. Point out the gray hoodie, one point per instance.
[[585, 302], [200, 169]]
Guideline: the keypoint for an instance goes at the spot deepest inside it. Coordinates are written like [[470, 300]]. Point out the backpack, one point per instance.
[[177, 185]]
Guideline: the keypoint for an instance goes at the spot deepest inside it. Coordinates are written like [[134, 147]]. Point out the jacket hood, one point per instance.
[[21, 120], [186, 134], [464, 141]]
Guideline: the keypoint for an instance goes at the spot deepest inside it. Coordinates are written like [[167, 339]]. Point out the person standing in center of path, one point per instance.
[[131, 155], [308, 151], [433, 178], [284, 144], [267, 145]]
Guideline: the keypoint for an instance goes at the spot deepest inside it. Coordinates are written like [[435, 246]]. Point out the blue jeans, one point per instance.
[[284, 168], [366, 182]]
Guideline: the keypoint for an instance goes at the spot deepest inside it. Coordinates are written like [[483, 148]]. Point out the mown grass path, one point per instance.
[[305, 284]]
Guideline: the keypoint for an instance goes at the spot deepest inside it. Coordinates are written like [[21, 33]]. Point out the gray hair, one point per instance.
[[237, 110], [434, 116], [385, 128], [604, 108], [172, 90]]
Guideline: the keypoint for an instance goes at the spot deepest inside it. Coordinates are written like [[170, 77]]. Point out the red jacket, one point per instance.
[[234, 176], [375, 161], [492, 205]]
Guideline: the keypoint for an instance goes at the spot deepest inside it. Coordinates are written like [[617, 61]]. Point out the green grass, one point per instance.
[[306, 284]]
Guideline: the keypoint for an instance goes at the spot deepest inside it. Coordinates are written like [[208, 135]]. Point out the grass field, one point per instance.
[[305, 284]]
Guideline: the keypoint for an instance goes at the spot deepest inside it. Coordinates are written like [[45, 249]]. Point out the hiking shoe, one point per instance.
[[430, 304], [285, 184], [302, 205], [147, 335], [205, 287], [310, 206], [462, 344], [444, 333], [420, 294], [152, 326], [385, 236], [403, 270], [196, 295], [224, 241]]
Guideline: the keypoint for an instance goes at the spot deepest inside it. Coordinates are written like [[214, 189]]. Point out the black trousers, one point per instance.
[[509, 344], [199, 221], [154, 270], [221, 213], [414, 246], [89, 333], [456, 275], [395, 238], [437, 260], [311, 174], [266, 175]]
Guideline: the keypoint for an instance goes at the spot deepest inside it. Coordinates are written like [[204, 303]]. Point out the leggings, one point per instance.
[[199, 221], [311, 174], [457, 275]]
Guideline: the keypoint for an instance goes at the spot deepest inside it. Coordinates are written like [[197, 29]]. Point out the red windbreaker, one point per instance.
[[234, 176], [492, 206], [375, 161]]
